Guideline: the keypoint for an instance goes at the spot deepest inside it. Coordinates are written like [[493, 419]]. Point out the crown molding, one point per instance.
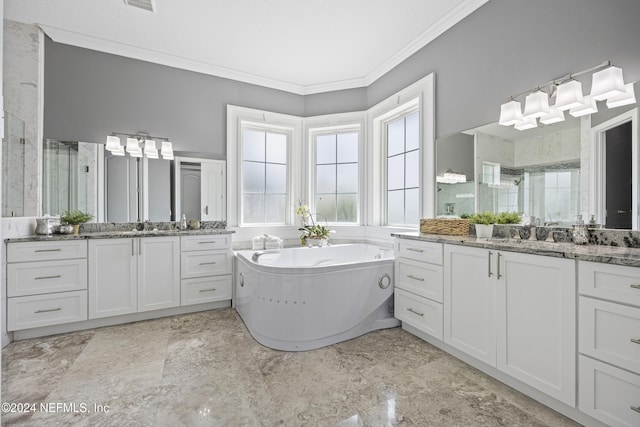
[[461, 11], [63, 36]]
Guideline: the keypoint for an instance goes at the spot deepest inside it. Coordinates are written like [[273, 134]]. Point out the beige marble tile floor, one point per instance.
[[205, 369]]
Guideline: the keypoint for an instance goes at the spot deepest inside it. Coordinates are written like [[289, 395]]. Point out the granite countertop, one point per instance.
[[120, 234], [595, 253]]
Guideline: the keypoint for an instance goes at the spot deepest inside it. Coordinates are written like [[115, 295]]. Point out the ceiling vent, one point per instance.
[[141, 4]]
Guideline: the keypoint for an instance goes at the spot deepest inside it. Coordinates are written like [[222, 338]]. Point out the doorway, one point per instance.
[[615, 171]]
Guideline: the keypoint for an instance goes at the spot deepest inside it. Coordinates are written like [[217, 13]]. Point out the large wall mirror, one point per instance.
[[550, 174], [84, 176]]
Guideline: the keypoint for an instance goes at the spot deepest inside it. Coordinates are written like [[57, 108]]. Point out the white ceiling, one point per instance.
[[301, 46]]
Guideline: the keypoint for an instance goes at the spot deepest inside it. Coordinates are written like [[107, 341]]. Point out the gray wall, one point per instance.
[[509, 46], [455, 152], [505, 47]]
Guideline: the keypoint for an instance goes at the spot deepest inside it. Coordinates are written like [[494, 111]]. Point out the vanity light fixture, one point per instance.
[[510, 113], [139, 145], [150, 149], [569, 95], [113, 143], [536, 105], [451, 177], [626, 98], [167, 150], [588, 107], [527, 123], [555, 115], [607, 84]]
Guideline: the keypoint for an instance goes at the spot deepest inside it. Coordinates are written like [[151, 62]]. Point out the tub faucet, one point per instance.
[[257, 255]]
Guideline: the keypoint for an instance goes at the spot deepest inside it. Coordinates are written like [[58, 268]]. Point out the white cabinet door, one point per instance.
[[112, 277], [212, 190], [536, 324], [158, 272], [470, 301]]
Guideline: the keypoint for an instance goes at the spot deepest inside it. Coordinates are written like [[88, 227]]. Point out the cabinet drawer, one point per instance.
[[44, 310], [614, 282], [205, 289], [607, 330], [205, 263], [30, 278], [609, 394], [420, 278], [419, 251], [206, 242], [422, 313], [44, 251]]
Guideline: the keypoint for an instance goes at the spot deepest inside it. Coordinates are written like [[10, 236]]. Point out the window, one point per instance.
[[336, 177], [403, 169], [264, 176]]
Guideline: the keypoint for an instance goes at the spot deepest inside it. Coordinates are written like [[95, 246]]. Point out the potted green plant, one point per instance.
[[483, 223], [311, 233], [76, 217]]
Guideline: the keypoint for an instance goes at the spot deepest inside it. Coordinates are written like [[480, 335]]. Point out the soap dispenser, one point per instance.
[[183, 223], [580, 232]]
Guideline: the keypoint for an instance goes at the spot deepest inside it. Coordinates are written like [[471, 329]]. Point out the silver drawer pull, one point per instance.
[[206, 242], [48, 310], [207, 263], [635, 286], [207, 290], [411, 276], [47, 277], [636, 408], [415, 312], [635, 340], [48, 250], [415, 250]]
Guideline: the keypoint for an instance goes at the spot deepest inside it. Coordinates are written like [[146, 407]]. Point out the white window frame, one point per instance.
[[327, 125], [420, 96], [239, 118]]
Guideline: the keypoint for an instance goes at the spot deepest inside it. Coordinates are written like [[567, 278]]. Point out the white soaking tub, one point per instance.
[[305, 298]]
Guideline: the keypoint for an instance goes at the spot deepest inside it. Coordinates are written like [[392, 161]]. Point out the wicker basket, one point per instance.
[[452, 227]]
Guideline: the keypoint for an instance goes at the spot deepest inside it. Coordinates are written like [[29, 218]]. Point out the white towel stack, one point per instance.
[[273, 242], [266, 241]]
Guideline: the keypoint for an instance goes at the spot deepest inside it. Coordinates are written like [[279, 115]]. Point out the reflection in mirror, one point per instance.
[[199, 189], [137, 189], [454, 176], [70, 177], [13, 167], [535, 172]]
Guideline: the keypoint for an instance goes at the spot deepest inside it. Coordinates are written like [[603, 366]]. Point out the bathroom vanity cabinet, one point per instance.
[[133, 274], [418, 285], [206, 266], [609, 331], [515, 312], [46, 283]]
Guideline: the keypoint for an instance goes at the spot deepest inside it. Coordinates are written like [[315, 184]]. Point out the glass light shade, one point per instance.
[[118, 152], [150, 149], [510, 113], [167, 150], [554, 116], [536, 105], [628, 97], [113, 143], [589, 107], [527, 123], [569, 95], [607, 83], [133, 146]]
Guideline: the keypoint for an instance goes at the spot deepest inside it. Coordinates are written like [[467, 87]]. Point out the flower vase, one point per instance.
[[484, 231], [76, 229], [316, 242]]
